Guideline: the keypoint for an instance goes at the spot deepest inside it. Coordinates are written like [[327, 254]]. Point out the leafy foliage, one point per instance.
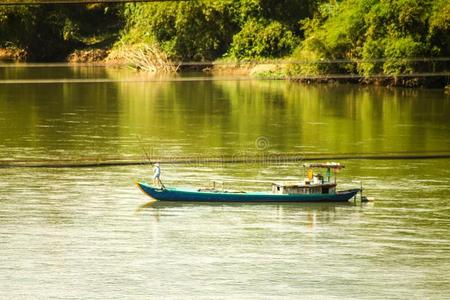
[[49, 32], [367, 30], [362, 31], [260, 39], [185, 30], [204, 30]]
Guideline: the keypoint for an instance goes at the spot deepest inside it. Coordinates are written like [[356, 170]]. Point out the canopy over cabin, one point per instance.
[[328, 165]]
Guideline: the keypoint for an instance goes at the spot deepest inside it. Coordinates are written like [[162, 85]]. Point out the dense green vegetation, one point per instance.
[[50, 32], [372, 36], [205, 30], [368, 30]]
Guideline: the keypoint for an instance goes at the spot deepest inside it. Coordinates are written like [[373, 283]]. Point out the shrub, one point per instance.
[[260, 39]]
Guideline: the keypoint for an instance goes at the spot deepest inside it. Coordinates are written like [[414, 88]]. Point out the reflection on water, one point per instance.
[[309, 211], [89, 233], [216, 118]]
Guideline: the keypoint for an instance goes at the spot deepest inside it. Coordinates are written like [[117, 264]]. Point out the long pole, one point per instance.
[[149, 160]]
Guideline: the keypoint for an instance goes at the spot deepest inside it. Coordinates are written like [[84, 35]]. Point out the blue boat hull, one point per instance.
[[192, 195]]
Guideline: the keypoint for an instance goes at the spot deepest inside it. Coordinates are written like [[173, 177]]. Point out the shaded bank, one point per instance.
[[51, 32]]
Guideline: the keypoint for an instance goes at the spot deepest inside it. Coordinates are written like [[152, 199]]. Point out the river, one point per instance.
[[89, 233]]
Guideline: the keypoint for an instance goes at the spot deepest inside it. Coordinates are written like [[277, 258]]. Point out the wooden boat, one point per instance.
[[315, 188]]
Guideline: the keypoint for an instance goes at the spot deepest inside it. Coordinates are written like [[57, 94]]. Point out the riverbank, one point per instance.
[[12, 54], [327, 46], [262, 69]]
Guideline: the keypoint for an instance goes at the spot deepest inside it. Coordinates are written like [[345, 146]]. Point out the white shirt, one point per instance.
[[156, 171]]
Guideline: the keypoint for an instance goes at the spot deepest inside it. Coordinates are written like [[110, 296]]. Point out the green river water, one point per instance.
[[89, 233]]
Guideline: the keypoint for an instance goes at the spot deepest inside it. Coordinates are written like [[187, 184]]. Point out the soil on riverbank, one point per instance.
[[88, 56], [391, 81], [12, 55]]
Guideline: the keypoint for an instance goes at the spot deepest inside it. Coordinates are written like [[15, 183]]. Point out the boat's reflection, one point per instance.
[[165, 208], [310, 213], [305, 205]]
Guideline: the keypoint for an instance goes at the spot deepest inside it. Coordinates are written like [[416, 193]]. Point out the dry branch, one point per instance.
[[149, 58]]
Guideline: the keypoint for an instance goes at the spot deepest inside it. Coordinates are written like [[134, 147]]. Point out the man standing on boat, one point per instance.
[[156, 175]]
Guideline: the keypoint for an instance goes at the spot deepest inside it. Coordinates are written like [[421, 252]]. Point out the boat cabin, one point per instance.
[[314, 183], [299, 188]]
